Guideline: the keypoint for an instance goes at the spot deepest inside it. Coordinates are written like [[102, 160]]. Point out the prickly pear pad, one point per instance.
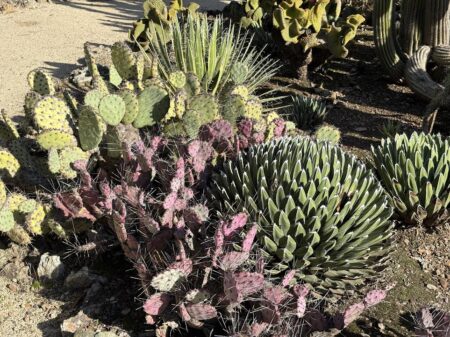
[[8, 162], [93, 98], [154, 103], [6, 220], [112, 109], [52, 113], [56, 139], [90, 128]]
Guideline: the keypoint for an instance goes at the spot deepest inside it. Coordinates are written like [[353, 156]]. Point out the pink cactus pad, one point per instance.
[[156, 304], [374, 297], [236, 223], [201, 311], [300, 290], [238, 286], [288, 278], [249, 239], [233, 260]]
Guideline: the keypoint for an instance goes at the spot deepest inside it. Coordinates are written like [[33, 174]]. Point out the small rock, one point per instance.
[[444, 283], [12, 287], [50, 267], [432, 286], [73, 324], [80, 279]]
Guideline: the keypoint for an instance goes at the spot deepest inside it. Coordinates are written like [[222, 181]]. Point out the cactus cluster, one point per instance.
[[197, 273], [408, 46], [312, 202], [415, 172], [157, 18], [309, 24]]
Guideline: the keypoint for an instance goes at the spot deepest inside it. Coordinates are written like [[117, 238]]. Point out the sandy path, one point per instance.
[[52, 36]]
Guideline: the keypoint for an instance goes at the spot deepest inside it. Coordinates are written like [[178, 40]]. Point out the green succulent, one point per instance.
[[415, 172], [321, 212], [307, 112], [328, 133]]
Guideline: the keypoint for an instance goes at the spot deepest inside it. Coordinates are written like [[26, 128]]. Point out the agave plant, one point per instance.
[[415, 172], [307, 112], [320, 211], [212, 51]]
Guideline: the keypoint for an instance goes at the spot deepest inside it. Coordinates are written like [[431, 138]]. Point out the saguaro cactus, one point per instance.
[[423, 36]]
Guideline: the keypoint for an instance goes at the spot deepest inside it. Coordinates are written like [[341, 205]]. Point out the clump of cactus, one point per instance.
[[217, 54], [312, 201], [407, 48], [157, 18], [307, 112], [196, 273], [328, 133], [414, 171], [302, 25]]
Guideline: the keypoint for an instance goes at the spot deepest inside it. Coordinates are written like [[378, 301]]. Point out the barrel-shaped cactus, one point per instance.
[[415, 172], [320, 211]]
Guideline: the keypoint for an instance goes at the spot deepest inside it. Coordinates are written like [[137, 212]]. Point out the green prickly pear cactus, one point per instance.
[[328, 133], [154, 103]]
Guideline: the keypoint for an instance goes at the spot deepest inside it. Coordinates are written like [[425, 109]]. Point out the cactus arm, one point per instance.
[[441, 55], [385, 41], [437, 23], [417, 77], [411, 25]]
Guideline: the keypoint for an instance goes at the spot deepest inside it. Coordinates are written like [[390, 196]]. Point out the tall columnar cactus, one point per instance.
[[415, 172], [320, 211], [423, 38]]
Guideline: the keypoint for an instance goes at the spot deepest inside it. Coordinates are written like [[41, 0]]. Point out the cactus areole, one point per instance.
[[320, 211]]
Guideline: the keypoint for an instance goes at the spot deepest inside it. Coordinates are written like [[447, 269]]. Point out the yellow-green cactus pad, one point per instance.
[[154, 103], [131, 104], [54, 164], [56, 139], [3, 194], [14, 201], [9, 126], [93, 98], [112, 109], [6, 220], [34, 220], [8, 162], [253, 109], [41, 82], [68, 156], [91, 128], [177, 79], [317, 13], [52, 113], [28, 206], [240, 90]]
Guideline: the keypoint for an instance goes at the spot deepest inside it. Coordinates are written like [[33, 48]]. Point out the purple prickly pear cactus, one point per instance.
[[238, 286], [233, 260], [199, 154], [374, 297], [249, 239], [156, 304], [201, 311], [237, 222]]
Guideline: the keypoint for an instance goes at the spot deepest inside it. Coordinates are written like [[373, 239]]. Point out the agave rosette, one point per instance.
[[415, 172], [320, 211]]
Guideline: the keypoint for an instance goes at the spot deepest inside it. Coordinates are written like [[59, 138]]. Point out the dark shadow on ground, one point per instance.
[[126, 11]]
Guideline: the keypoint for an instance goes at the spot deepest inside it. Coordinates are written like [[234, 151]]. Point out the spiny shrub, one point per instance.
[[415, 172], [319, 211]]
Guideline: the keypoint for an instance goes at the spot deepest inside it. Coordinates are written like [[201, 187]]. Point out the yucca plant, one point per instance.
[[214, 52], [320, 211], [307, 112], [415, 172]]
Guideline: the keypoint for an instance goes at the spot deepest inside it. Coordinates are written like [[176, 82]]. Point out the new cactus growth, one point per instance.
[[414, 171], [293, 188]]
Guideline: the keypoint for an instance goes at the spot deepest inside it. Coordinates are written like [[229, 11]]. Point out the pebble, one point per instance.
[[50, 268]]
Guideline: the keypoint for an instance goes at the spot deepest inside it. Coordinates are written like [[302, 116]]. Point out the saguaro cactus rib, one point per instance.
[[385, 40]]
